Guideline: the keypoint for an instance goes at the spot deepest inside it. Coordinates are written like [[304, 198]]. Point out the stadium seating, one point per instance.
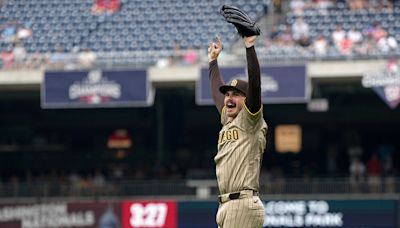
[[324, 24], [145, 26], [142, 32]]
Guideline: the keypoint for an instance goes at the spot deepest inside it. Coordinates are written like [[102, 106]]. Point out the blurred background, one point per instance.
[[105, 109]]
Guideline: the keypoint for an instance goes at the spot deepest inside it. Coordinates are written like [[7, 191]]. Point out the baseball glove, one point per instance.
[[245, 26]]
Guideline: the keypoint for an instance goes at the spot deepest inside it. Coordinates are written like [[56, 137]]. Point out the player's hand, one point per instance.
[[214, 49], [249, 41]]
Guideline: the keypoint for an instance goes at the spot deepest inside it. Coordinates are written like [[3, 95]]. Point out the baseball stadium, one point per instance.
[[108, 119]]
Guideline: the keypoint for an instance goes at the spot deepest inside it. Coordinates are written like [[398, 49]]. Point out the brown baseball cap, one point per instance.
[[235, 84]]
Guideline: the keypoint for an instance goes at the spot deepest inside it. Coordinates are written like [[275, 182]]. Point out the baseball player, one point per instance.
[[241, 141]]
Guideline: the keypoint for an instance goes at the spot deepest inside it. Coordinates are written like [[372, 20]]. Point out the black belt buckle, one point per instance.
[[235, 195]]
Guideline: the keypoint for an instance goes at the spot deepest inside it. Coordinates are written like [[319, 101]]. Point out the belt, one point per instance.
[[237, 195]]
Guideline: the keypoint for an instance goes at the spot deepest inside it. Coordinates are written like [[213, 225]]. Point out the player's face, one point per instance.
[[233, 102]]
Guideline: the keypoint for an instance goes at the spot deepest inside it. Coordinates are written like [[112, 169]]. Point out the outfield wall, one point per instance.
[[128, 213]]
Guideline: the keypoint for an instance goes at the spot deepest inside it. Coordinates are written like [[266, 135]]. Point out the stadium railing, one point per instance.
[[196, 188]]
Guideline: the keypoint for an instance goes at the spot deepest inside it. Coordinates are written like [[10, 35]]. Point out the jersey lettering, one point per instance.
[[228, 135]]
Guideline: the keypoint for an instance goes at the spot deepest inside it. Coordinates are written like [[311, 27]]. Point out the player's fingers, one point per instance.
[[212, 46], [219, 44]]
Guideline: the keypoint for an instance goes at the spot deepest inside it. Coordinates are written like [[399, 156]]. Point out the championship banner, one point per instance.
[[78, 215], [279, 84], [96, 89], [154, 214], [385, 83]]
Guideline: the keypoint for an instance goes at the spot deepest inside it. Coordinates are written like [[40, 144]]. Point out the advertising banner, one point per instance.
[[331, 213], [279, 84], [96, 89], [197, 214], [79, 215]]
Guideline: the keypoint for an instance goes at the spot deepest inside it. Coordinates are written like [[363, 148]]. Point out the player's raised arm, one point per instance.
[[253, 99], [214, 75]]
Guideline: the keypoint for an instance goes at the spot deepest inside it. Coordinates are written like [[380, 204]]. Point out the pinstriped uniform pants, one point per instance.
[[241, 213]]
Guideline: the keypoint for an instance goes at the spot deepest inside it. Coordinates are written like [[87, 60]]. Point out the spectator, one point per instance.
[[24, 32], [323, 5], [274, 34], [320, 46], [176, 57], [9, 31], [357, 4], [98, 6], [337, 36], [286, 38], [297, 7], [37, 61], [277, 6], [190, 57], [380, 5], [98, 182], [105, 6], [304, 42], [113, 6], [357, 174], [20, 55], [87, 58], [374, 170], [346, 46], [376, 31], [7, 57], [355, 36], [386, 44], [300, 29], [367, 46], [58, 59]]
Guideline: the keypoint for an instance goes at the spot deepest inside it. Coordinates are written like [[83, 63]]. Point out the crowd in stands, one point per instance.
[[105, 6], [303, 31], [14, 33], [372, 172], [317, 28]]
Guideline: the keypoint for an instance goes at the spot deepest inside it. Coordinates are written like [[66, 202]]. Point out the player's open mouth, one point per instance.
[[230, 105]]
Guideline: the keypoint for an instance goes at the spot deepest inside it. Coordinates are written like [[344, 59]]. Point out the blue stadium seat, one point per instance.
[[71, 23]]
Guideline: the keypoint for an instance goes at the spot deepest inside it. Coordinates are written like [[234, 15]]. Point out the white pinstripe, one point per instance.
[[238, 164]]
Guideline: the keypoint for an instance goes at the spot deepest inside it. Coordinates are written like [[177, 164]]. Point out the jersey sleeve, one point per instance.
[[215, 82], [249, 119]]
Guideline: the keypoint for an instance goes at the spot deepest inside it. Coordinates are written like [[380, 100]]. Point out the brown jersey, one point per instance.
[[241, 146]]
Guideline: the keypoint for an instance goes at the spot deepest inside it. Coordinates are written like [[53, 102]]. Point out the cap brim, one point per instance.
[[225, 88]]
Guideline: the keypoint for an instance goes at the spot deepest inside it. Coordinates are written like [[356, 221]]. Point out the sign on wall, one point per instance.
[[60, 214], [96, 88], [197, 214], [385, 83], [331, 213], [154, 214], [279, 84]]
